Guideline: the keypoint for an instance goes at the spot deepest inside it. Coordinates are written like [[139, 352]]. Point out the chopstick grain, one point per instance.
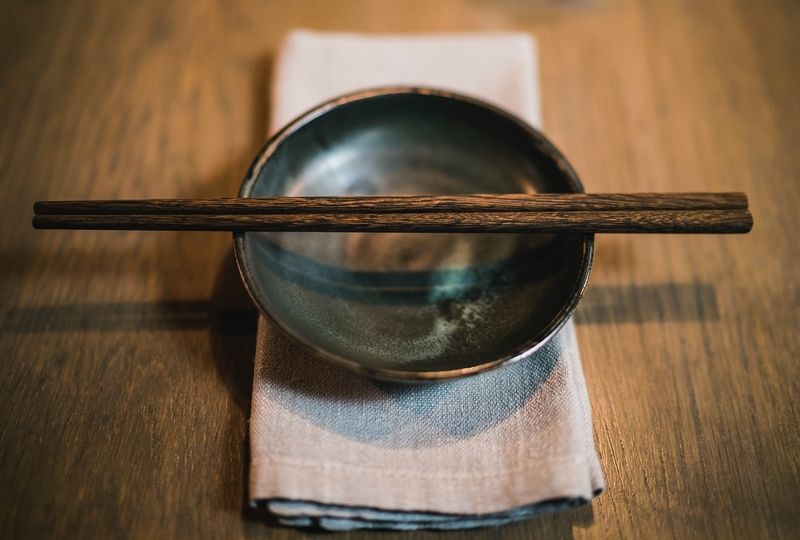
[[561, 202], [640, 221]]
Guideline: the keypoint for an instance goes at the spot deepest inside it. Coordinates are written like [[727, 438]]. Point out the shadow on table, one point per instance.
[[659, 302], [231, 313]]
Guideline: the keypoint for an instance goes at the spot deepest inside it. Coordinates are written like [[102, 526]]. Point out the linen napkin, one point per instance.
[[335, 450]]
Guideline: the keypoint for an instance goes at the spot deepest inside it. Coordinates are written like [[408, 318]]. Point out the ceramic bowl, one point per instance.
[[411, 306]]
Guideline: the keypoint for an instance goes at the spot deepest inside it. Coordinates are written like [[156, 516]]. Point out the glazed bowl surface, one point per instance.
[[412, 306]]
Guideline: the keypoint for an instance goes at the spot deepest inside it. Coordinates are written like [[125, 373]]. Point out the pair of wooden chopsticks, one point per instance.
[[549, 212]]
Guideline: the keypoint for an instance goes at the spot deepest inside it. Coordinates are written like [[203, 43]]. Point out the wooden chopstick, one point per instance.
[[632, 221], [556, 202], [550, 212]]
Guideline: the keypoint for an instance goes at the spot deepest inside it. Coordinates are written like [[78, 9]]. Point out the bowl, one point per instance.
[[412, 306]]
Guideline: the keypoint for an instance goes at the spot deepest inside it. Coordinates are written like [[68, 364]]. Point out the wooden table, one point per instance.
[[126, 357]]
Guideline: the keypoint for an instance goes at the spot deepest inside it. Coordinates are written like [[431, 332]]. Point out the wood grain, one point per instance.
[[632, 221], [572, 202], [127, 357]]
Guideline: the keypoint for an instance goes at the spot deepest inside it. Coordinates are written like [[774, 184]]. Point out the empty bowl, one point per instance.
[[412, 306]]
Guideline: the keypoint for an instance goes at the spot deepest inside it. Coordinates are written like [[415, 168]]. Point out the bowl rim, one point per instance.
[[518, 353]]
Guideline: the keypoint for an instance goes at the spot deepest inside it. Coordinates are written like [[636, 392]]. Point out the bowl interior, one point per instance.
[[412, 303]]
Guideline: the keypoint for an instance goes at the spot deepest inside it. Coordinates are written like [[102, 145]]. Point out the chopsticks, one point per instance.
[[548, 212]]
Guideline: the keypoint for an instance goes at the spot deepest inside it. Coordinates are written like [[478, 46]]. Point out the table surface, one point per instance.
[[127, 357]]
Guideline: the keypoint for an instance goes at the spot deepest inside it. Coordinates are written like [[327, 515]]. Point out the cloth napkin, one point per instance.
[[335, 450]]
